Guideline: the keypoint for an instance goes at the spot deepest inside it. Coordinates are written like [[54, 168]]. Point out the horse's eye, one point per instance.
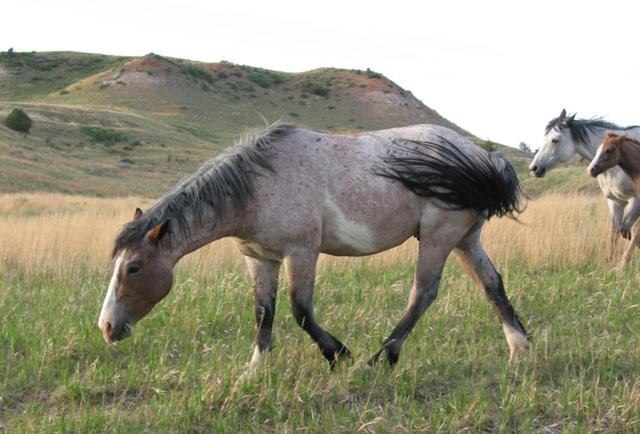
[[554, 140], [133, 269], [608, 151]]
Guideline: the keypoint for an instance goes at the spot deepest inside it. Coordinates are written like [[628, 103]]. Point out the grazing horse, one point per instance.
[[289, 194], [623, 151], [566, 136]]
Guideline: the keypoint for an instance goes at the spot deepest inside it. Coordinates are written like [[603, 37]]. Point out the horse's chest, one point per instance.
[[616, 187]]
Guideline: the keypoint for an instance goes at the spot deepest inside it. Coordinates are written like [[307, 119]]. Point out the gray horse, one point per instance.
[[566, 136], [289, 194]]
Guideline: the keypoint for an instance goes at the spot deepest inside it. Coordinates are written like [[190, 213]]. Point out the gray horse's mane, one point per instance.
[[580, 128], [220, 183]]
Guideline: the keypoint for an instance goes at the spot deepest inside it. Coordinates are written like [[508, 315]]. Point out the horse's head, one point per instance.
[[142, 276], [607, 155], [558, 146]]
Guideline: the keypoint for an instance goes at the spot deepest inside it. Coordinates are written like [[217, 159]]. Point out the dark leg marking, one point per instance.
[[301, 269], [421, 299], [478, 265], [264, 274]]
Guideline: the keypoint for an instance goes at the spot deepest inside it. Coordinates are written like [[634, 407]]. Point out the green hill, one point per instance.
[[110, 125]]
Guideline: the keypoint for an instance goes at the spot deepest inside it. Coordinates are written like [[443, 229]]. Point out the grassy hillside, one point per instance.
[[110, 125], [117, 125]]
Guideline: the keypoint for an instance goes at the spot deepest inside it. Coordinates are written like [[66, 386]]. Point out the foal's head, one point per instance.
[[607, 155], [142, 276]]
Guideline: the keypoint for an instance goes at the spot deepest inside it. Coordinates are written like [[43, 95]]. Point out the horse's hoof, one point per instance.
[[521, 352], [618, 269], [365, 370], [342, 356]]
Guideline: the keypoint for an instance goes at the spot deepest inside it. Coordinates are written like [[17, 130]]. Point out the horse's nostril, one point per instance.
[[534, 168], [107, 327]]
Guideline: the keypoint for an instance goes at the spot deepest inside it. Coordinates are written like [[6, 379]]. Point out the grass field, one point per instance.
[[180, 370]]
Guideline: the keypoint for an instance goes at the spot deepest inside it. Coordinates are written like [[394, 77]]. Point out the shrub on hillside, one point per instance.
[[373, 74], [315, 89], [103, 135], [198, 73], [260, 79], [488, 145], [18, 120]]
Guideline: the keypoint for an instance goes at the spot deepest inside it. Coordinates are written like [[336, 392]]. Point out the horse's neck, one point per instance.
[[630, 159], [201, 232], [588, 150]]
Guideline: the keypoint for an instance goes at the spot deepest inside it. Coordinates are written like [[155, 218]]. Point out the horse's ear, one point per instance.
[[611, 134], [137, 214], [157, 232], [563, 114], [571, 118]]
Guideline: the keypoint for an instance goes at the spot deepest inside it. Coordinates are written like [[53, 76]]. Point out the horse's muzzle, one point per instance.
[[594, 170], [115, 332], [537, 171]]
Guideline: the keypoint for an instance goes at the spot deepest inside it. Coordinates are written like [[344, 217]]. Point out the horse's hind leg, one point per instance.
[[478, 264], [633, 244], [301, 270], [436, 242], [264, 274]]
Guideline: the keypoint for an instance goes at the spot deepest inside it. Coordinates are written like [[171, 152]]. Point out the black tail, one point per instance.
[[483, 181]]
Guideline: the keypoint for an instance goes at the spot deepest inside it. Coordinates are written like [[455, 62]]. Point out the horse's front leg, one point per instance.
[[264, 274], [616, 211], [301, 270]]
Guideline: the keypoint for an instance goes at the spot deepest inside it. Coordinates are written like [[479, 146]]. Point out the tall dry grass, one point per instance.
[[64, 233]]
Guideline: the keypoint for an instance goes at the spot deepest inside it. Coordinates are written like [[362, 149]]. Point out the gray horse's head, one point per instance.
[[558, 147]]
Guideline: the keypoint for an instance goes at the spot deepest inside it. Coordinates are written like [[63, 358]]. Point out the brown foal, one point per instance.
[[624, 151]]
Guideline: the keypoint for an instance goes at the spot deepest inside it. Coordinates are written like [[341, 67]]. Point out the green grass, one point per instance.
[[179, 371]]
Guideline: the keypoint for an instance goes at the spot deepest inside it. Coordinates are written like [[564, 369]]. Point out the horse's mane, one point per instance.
[[624, 138], [220, 183], [580, 128]]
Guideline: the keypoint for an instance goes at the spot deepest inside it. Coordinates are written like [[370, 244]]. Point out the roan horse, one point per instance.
[[568, 136], [619, 150], [289, 194]]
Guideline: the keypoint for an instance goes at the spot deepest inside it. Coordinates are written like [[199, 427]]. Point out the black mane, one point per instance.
[[580, 128], [221, 182]]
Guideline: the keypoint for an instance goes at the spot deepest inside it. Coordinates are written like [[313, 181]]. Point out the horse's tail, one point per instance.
[[485, 182]]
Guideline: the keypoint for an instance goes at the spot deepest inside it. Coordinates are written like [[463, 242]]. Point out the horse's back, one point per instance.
[[325, 189]]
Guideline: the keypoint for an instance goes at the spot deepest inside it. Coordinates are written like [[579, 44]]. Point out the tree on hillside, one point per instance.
[[18, 120], [524, 147]]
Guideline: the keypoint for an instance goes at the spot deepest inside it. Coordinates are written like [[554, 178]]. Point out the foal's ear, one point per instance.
[[157, 232], [563, 114], [571, 118], [137, 214]]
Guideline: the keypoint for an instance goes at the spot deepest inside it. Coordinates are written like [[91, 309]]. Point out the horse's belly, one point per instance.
[[382, 229]]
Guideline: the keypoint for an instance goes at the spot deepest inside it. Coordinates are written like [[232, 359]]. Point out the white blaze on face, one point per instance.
[[595, 159], [109, 302]]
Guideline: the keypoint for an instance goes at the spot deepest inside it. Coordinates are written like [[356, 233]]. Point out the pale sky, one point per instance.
[[500, 69]]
